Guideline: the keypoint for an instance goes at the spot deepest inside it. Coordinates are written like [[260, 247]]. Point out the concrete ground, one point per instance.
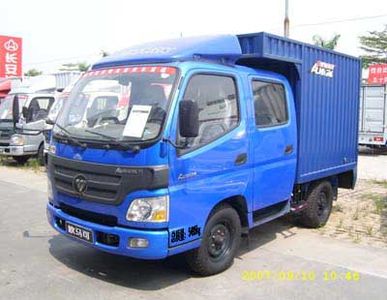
[[372, 164], [37, 263]]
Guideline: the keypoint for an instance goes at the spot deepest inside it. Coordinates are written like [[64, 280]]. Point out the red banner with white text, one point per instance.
[[10, 56], [377, 74]]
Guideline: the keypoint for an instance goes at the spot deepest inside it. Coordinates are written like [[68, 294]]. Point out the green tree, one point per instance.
[[375, 46], [83, 66], [33, 72], [80, 66], [328, 44]]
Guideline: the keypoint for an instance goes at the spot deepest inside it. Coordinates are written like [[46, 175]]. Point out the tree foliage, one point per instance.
[[375, 46], [328, 44], [33, 72], [83, 66], [80, 66]]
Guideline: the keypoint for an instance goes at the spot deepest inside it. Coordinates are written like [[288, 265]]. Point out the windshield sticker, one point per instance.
[[137, 119], [125, 70]]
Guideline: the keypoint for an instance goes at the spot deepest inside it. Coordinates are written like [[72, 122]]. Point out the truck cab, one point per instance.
[[187, 145], [33, 109]]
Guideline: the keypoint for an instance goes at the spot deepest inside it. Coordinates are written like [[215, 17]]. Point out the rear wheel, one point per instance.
[[319, 205], [220, 243], [21, 160]]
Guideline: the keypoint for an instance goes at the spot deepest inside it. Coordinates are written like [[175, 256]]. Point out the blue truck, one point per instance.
[[184, 145]]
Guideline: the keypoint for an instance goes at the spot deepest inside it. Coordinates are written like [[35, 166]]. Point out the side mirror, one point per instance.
[[25, 112], [188, 119], [15, 110], [49, 121]]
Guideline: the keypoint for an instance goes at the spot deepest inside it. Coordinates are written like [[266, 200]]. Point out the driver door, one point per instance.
[[35, 115]]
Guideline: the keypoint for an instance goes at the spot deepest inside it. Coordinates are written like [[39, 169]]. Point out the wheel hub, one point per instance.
[[219, 241]]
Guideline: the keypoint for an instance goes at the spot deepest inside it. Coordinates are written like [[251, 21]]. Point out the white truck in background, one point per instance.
[[22, 138], [373, 116]]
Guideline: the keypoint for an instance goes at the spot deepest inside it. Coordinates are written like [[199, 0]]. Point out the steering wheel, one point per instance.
[[100, 119], [97, 118]]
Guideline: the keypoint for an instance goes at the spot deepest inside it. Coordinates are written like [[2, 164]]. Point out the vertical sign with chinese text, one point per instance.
[[10, 56], [377, 74]]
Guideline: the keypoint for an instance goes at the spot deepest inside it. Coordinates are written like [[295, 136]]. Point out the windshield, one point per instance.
[[56, 107], [127, 103], [6, 107]]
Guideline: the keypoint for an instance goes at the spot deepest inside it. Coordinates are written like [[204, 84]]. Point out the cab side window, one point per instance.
[[218, 107], [269, 104], [39, 108]]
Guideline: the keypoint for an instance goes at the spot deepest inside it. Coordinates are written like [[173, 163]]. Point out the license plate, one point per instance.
[[79, 232]]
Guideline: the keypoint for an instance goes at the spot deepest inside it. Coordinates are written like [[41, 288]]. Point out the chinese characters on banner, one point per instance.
[[10, 56], [377, 74]]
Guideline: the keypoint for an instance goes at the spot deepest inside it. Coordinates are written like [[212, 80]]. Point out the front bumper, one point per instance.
[[16, 150], [158, 239]]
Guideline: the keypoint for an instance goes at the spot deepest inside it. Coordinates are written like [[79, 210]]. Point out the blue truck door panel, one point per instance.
[[273, 144], [206, 175]]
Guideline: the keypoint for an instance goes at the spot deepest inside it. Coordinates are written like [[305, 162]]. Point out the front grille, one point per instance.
[[2, 144], [85, 215], [99, 186], [5, 134], [107, 184]]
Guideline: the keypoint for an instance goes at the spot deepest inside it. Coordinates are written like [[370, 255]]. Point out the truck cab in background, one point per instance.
[[180, 146], [32, 109], [22, 125]]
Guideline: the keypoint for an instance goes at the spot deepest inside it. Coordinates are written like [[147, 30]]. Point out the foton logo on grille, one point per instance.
[[323, 69], [80, 184]]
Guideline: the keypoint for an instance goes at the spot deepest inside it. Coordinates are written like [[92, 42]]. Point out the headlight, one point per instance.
[[51, 149], [17, 140], [153, 209]]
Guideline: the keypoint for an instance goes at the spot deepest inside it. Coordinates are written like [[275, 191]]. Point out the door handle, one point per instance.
[[288, 149], [241, 159]]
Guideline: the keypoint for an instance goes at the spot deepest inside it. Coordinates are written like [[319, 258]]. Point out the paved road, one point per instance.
[[36, 263], [372, 164]]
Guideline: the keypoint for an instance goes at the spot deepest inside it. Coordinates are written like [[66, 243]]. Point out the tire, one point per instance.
[[21, 160], [220, 243], [319, 205], [41, 158]]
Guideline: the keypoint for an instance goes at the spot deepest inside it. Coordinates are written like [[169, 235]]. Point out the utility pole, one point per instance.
[[286, 21]]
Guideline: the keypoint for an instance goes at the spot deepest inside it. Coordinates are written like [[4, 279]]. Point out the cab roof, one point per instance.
[[221, 48]]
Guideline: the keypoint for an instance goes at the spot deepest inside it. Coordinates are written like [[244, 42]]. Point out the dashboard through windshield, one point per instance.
[[121, 104]]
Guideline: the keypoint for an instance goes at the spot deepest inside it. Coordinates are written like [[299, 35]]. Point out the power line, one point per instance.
[[340, 21]]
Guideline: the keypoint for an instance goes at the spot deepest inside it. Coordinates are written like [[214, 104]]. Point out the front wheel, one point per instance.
[[21, 160], [220, 243], [41, 158]]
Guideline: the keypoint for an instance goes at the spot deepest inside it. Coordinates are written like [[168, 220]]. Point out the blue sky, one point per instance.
[[57, 32]]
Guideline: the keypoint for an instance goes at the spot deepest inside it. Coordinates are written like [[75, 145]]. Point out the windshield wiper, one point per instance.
[[133, 148], [67, 135]]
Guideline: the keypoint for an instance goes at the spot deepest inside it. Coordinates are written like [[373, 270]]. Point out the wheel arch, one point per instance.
[[237, 202]]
